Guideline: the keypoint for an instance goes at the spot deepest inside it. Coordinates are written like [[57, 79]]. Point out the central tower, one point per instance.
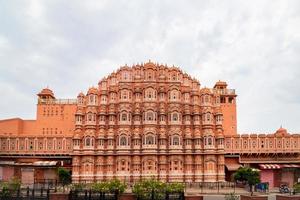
[[145, 121]]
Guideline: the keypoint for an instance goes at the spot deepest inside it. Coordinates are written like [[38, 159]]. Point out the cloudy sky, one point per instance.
[[70, 45]]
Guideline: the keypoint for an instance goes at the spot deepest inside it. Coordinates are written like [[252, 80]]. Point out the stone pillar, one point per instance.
[[75, 169]]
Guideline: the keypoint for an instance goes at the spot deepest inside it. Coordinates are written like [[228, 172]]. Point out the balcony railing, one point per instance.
[[57, 101]]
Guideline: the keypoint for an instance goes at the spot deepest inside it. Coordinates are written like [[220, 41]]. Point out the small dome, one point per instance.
[[221, 83], [46, 92], [281, 131], [80, 94], [92, 90], [205, 91]]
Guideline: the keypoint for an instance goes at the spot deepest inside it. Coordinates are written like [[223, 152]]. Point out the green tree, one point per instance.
[[64, 176], [248, 176]]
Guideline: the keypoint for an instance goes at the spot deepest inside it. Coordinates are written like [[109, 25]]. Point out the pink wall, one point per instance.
[[267, 176], [8, 173], [288, 177]]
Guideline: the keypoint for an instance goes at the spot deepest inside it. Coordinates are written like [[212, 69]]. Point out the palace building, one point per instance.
[[148, 120]]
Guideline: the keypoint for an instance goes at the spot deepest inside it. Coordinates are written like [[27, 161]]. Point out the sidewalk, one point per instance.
[[222, 191]]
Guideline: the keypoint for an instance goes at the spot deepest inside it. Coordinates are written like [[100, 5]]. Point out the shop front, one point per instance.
[[276, 174], [29, 172]]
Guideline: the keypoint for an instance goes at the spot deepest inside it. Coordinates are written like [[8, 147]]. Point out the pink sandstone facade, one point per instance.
[[147, 120]]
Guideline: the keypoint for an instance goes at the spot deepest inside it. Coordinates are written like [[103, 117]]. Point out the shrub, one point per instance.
[[5, 192], [175, 187], [78, 186], [145, 189], [100, 187], [231, 196], [116, 185], [14, 184], [296, 187]]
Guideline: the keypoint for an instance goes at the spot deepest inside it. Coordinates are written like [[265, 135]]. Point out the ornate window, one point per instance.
[[175, 117], [88, 142], [103, 99], [124, 95], [150, 116], [162, 118], [80, 101], [150, 94], [91, 117], [186, 97], [78, 119], [92, 99], [175, 140], [219, 118], [123, 141], [124, 116], [206, 99], [125, 76], [174, 95], [113, 97], [102, 118], [209, 141], [149, 139]]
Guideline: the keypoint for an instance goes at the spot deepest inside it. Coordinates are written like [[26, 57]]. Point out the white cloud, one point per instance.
[[253, 45]]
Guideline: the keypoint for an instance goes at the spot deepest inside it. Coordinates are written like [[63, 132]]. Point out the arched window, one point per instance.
[[103, 99], [91, 97], [124, 95], [150, 116], [88, 141], [112, 96], [149, 140], [123, 141], [175, 117], [89, 117], [186, 97], [123, 117], [208, 116], [206, 98], [150, 94], [175, 140], [209, 141]]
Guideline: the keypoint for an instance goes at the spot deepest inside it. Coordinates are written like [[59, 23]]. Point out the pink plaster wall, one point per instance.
[[288, 177], [267, 176], [8, 173]]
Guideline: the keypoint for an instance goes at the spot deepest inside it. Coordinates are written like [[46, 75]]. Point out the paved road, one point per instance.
[[222, 197]]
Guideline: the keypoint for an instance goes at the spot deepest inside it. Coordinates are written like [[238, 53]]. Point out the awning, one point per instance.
[[290, 166], [269, 166], [3, 162], [37, 163], [45, 163], [233, 166]]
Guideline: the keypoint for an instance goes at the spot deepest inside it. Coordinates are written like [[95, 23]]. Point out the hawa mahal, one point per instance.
[[148, 120]]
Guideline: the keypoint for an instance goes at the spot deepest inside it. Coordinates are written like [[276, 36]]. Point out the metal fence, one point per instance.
[[213, 187], [24, 194], [163, 196], [91, 195]]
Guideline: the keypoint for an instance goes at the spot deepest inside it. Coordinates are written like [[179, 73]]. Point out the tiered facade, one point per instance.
[[150, 120]]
